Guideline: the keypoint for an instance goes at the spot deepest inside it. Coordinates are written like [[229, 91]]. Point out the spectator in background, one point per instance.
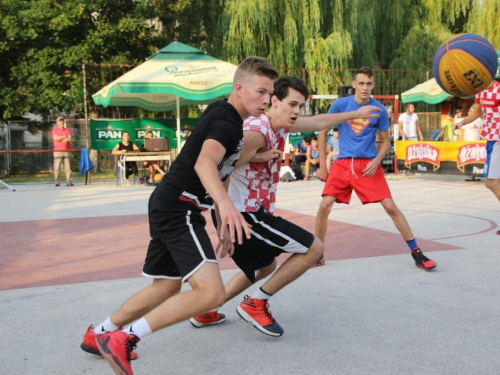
[[332, 147], [459, 116], [62, 144], [151, 165], [408, 125], [301, 151], [472, 130], [122, 148], [312, 157], [447, 127]]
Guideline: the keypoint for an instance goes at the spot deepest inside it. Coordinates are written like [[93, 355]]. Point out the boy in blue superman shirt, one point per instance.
[[358, 166]]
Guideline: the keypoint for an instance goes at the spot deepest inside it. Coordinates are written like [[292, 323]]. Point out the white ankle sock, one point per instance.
[[216, 309], [260, 294], [139, 328], [105, 326]]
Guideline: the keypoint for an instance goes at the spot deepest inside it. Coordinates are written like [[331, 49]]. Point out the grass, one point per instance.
[[46, 177]]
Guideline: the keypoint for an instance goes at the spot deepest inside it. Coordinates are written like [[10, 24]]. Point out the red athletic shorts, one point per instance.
[[346, 175]]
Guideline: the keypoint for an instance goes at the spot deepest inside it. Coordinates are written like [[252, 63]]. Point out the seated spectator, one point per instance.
[[151, 165], [472, 130], [332, 147], [122, 148], [301, 151], [312, 156]]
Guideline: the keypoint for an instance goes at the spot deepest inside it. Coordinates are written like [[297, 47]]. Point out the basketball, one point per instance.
[[465, 65], [158, 177]]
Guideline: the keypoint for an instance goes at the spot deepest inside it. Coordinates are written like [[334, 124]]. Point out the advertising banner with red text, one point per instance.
[[441, 157]]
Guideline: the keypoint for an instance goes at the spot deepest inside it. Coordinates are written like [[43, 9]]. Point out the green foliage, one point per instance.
[[43, 44], [484, 20]]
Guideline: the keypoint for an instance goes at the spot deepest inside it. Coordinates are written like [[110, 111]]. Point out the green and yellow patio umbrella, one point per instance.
[[176, 75], [428, 92]]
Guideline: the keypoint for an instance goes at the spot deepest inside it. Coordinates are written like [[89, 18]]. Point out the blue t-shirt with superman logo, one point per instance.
[[357, 137]]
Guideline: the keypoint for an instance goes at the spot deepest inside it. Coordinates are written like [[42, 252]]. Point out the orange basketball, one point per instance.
[[465, 65]]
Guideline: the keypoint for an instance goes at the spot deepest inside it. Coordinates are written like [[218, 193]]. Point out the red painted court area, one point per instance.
[[66, 251]]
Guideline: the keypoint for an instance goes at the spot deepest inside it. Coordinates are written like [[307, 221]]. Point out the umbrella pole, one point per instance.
[[85, 104], [178, 107]]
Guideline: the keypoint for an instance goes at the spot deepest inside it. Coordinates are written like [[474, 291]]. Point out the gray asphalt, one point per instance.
[[377, 315]]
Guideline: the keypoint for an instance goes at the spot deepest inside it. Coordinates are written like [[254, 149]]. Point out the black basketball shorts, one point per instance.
[[179, 243], [271, 236]]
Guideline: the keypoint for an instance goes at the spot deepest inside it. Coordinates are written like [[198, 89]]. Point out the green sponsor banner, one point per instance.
[[106, 134]]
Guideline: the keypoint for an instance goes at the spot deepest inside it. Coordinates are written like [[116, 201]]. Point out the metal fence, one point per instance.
[[32, 162], [429, 121], [389, 82], [33, 146], [27, 162], [42, 162]]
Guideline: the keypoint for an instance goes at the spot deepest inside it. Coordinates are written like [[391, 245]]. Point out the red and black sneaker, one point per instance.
[[207, 319], [89, 345], [421, 261], [256, 311], [115, 347]]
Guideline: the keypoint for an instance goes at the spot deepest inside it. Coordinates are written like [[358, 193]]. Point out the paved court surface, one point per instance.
[[70, 256]]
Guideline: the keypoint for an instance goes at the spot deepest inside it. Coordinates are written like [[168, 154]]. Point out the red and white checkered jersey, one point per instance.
[[253, 185], [489, 100]]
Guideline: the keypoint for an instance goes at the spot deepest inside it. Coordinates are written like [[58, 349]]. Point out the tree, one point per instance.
[[291, 34], [325, 34], [44, 42], [484, 20]]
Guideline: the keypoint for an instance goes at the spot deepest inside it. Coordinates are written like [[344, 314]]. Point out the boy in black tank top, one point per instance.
[[180, 249]]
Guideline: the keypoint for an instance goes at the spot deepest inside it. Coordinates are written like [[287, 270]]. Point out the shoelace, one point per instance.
[[268, 312], [130, 345]]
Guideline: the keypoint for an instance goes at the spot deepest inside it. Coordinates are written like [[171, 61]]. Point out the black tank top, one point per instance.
[[129, 148]]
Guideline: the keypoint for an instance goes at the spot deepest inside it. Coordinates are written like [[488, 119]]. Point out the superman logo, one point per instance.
[[358, 125]]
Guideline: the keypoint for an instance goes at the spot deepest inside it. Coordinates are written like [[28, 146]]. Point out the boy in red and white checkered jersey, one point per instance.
[[252, 188], [488, 103]]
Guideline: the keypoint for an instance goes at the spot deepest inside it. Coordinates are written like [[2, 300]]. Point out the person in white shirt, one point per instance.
[[408, 125]]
